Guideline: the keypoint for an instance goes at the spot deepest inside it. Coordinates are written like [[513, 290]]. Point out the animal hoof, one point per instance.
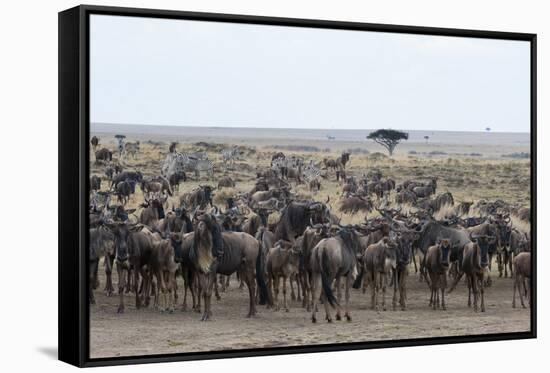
[[348, 318], [120, 310], [338, 317], [313, 320], [329, 321], [287, 310]]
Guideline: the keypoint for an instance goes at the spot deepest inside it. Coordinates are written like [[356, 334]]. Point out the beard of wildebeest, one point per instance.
[[202, 248]]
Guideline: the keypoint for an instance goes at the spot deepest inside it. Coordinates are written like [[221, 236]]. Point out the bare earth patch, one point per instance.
[[147, 331]]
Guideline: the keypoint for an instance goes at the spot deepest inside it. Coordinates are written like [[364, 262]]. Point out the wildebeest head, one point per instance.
[[318, 213], [445, 248], [405, 239], [121, 232], [175, 240], [483, 242], [390, 252]]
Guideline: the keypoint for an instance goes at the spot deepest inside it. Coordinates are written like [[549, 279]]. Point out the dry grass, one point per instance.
[[468, 179]]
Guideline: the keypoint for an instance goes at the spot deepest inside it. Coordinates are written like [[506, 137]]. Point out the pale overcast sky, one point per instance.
[[176, 72]]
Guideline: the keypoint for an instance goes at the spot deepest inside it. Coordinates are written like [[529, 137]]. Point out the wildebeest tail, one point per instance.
[[260, 277], [327, 288], [359, 278]]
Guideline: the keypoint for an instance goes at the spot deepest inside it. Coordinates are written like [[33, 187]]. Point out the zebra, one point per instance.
[[311, 172], [205, 165], [181, 162], [229, 155], [120, 139], [131, 148]]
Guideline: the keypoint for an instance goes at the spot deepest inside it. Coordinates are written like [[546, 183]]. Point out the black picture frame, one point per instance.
[[74, 170]]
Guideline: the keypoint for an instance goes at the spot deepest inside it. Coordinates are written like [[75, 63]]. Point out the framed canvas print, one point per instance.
[[234, 186]]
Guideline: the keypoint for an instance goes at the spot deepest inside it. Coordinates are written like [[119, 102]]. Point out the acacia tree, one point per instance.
[[388, 138]]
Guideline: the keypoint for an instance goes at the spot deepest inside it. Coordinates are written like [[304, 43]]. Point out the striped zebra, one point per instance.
[[229, 155], [183, 162], [120, 139], [311, 172]]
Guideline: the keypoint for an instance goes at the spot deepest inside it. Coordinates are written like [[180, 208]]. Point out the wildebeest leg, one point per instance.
[[285, 305], [403, 274], [250, 281], [93, 273], [482, 292], [395, 285], [206, 284], [414, 260], [499, 262], [383, 282], [510, 262], [121, 285], [184, 275], [520, 283], [307, 291], [456, 280], [443, 283], [299, 287], [473, 282], [270, 301], [436, 288], [516, 283], [160, 295], [276, 292], [292, 294], [108, 261], [227, 282], [216, 288], [315, 292], [349, 283]]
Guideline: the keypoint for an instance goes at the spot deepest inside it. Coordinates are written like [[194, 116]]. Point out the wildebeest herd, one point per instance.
[[272, 237]]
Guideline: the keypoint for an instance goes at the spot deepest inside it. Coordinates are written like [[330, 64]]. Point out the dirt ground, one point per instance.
[[147, 331]]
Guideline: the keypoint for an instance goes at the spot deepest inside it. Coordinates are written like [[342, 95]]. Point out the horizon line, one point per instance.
[[298, 128]]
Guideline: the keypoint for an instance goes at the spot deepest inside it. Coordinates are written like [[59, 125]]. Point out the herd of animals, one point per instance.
[[305, 246]]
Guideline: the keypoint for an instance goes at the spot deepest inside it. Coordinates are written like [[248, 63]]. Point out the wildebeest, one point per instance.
[[199, 197], [176, 178], [182, 244], [296, 216], [405, 196], [95, 142], [152, 212], [437, 261], [101, 244], [522, 270], [463, 208], [226, 182], [475, 266], [331, 259], [379, 260], [314, 185], [330, 164], [127, 256], [124, 189], [424, 190], [241, 253], [104, 154], [353, 204], [343, 159], [136, 176], [156, 185], [95, 182], [282, 261]]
